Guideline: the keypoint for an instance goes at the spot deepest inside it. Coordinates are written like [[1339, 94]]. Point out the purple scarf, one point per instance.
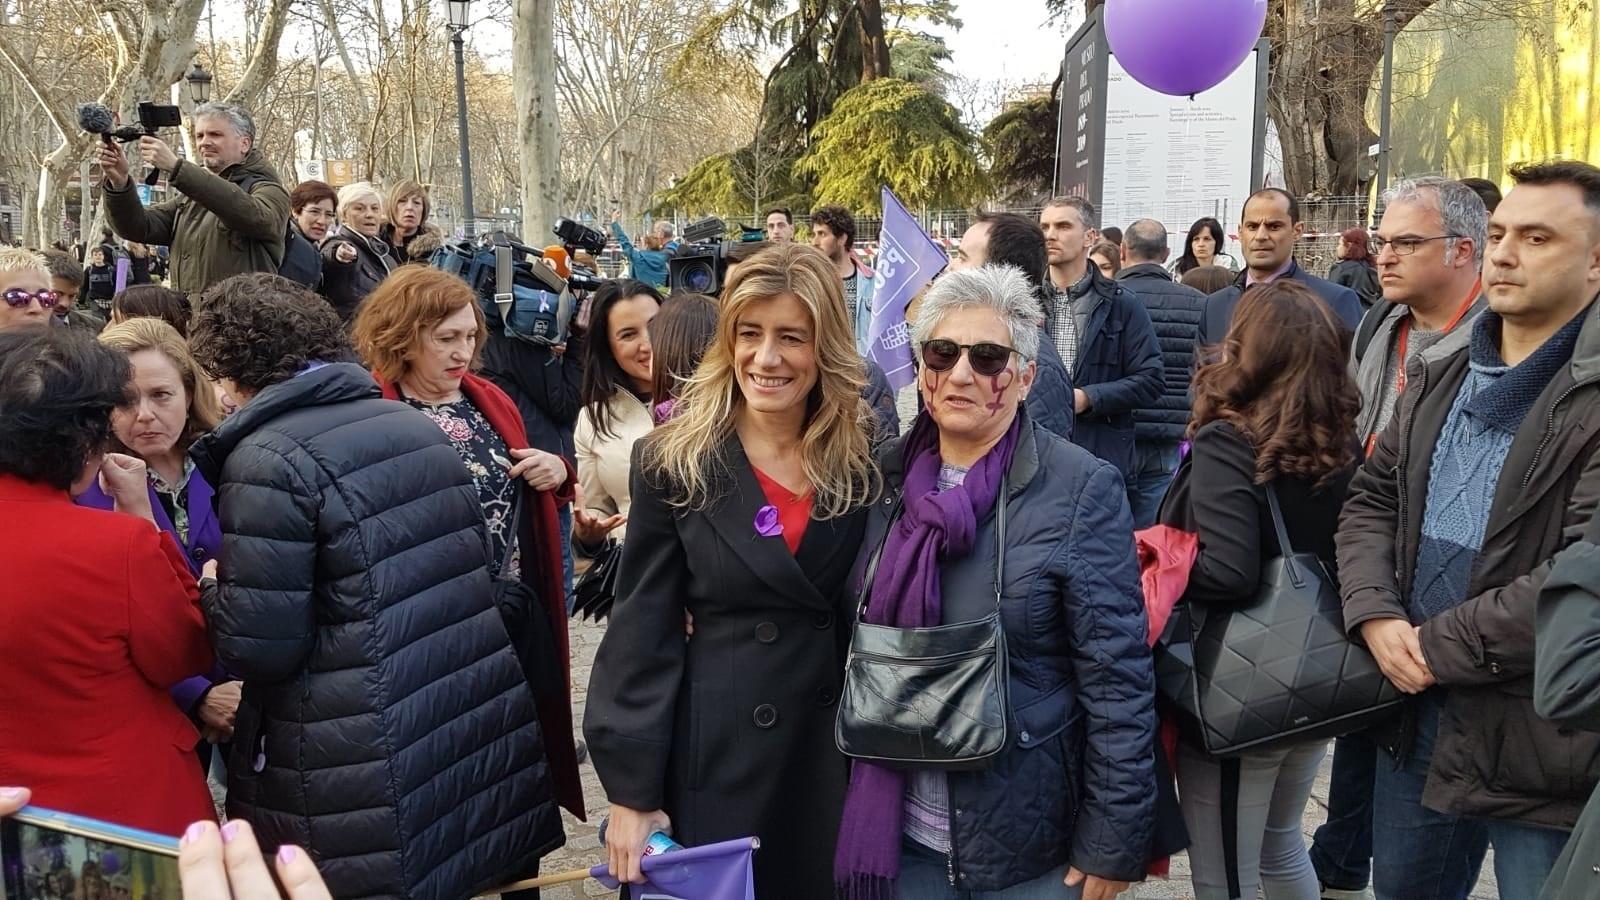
[[934, 526]]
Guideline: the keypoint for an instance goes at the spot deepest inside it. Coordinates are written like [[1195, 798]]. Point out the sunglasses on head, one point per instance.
[[986, 358], [17, 298]]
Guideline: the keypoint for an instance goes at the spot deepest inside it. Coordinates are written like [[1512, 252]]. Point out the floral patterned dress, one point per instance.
[[488, 461]]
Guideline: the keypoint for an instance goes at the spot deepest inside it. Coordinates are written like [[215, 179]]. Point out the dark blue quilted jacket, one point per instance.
[[1077, 782], [386, 724], [1175, 312]]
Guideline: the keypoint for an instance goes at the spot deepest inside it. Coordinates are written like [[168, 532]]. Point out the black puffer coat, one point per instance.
[[386, 724]]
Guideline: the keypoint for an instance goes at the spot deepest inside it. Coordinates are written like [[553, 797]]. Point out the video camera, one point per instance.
[[97, 118], [520, 294], [701, 264]]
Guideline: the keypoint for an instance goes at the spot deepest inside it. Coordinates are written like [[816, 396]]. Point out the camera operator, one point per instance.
[[231, 215]]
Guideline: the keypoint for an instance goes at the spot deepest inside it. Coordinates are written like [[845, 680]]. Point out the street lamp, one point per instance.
[[458, 26], [199, 81]]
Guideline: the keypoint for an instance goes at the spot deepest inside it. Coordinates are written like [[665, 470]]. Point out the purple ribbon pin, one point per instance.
[[767, 524]]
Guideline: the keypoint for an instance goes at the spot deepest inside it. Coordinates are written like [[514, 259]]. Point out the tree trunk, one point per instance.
[[264, 61], [1324, 58], [50, 206], [874, 44], [344, 57], [533, 66]]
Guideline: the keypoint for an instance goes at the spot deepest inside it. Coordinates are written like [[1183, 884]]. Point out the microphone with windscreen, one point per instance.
[[97, 118]]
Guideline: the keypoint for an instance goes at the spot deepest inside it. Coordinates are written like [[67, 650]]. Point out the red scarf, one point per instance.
[[540, 541]]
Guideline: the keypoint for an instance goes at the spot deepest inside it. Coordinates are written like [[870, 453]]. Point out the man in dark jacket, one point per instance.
[[543, 382], [232, 212], [1175, 311], [1103, 333], [1566, 690], [1269, 229], [1432, 297], [1487, 471], [1010, 239]]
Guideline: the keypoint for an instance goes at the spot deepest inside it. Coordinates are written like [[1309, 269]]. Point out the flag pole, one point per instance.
[[544, 881]]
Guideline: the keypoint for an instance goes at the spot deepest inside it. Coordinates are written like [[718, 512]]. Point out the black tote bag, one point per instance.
[[1278, 670]]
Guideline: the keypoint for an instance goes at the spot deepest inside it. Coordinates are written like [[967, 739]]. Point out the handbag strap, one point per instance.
[[865, 592], [1285, 547], [516, 531]]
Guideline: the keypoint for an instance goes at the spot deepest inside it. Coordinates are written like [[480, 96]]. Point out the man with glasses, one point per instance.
[[1429, 251], [26, 297], [1489, 468]]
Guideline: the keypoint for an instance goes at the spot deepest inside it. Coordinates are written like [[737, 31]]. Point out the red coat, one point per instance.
[[540, 541], [99, 616]]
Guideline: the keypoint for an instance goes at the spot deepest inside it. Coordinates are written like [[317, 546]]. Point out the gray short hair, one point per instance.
[[1086, 210], [1146, 241], [1460, 208], [1003, 289], [234, 113]]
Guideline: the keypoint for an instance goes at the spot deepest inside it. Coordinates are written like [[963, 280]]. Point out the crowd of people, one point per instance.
[[317, 525]]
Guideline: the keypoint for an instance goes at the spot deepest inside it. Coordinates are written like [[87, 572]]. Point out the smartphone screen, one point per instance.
[[48, 855]]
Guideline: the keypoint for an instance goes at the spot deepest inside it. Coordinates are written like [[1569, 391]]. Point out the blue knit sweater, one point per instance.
[[1468, 456]]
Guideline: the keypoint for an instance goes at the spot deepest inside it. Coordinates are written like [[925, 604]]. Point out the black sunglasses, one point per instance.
[[17, 298], [986, 358]]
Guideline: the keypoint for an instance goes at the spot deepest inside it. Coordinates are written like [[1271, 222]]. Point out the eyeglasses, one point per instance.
[[1405, 246], [17, 298], [986, 358]]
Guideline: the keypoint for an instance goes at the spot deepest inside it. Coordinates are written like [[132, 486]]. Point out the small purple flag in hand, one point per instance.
[[719, 871], [907, 260]]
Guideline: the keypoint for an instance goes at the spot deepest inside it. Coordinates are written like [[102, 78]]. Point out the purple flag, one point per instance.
[[907, 260], [711, 872], [124, 267]]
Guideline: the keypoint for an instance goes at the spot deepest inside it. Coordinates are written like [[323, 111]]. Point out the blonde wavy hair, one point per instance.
[[685, 452], [149, 333]]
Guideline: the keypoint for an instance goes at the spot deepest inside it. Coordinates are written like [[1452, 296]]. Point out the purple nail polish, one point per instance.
[[287, 853], [229, 832], [194, 832]]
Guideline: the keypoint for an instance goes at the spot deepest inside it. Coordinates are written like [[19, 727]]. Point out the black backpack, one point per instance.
[[301, 263]]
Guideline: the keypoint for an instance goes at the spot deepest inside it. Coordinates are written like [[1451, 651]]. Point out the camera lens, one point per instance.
[[697, 279]]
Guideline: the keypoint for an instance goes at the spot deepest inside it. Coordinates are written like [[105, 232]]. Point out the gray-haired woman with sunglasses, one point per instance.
[[1070, 796]]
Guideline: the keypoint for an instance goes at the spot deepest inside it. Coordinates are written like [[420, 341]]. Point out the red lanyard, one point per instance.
[[1405, 338], [1405, 342]]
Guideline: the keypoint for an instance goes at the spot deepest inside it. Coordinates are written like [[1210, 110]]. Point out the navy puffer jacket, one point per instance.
[[1175, 312], [386, 724], [1077, 783]]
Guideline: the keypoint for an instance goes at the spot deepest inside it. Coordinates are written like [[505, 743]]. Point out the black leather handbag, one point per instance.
[[934, 698], [596, 592], [1278, 670]]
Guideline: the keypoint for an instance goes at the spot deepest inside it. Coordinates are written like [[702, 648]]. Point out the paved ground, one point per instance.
[[583, 843]]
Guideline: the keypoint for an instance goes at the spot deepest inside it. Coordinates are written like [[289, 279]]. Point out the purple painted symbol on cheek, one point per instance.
[[1000, 383]]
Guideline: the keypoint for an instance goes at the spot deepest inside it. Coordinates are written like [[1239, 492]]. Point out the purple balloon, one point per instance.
[[1183, 47]]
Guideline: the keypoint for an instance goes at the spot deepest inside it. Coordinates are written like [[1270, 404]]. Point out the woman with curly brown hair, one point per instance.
[[1276, 409], [386, 725]]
